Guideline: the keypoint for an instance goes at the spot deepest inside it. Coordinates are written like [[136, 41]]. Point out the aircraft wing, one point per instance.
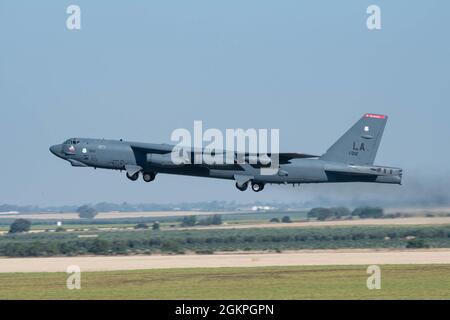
[[283, 158], [286, 157], [145, 148]]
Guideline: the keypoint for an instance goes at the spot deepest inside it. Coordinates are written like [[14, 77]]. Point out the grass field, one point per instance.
[[321, 282]]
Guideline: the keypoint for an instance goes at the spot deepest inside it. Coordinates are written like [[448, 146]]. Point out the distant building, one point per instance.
[[262, 208], [10, 212]]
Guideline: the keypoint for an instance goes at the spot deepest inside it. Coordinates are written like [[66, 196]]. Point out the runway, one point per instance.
[[292, 258]]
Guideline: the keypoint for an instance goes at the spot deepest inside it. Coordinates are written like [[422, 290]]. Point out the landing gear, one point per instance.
[[148, 176], [257, 187], [242, 187], [133, 177]]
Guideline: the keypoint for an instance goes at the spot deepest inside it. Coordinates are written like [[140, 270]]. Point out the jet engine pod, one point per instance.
[[163, 160]]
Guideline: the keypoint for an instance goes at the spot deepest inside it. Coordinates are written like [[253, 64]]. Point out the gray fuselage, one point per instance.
[[153, 158]]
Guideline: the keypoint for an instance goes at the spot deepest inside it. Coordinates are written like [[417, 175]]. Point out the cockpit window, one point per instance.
[[72, 141]]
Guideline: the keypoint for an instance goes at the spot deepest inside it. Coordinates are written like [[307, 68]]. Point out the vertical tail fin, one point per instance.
[[360, 143]]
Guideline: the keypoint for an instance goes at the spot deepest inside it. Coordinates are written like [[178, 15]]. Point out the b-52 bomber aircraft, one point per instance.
[[349, 159]]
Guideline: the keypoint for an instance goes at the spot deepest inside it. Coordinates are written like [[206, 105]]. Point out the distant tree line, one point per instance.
[[20, 225], [144, 226], [218, 206], [207, 241], [285, 219], [190, 221], [87, 212], [322, 214]]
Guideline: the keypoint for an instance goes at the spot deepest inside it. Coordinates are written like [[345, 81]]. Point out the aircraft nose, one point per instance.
[[56, 150]]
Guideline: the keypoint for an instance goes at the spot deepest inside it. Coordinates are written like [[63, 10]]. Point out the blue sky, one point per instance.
[[139, 69]]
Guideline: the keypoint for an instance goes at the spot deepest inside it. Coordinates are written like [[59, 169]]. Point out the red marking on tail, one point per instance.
[[376, 116]]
